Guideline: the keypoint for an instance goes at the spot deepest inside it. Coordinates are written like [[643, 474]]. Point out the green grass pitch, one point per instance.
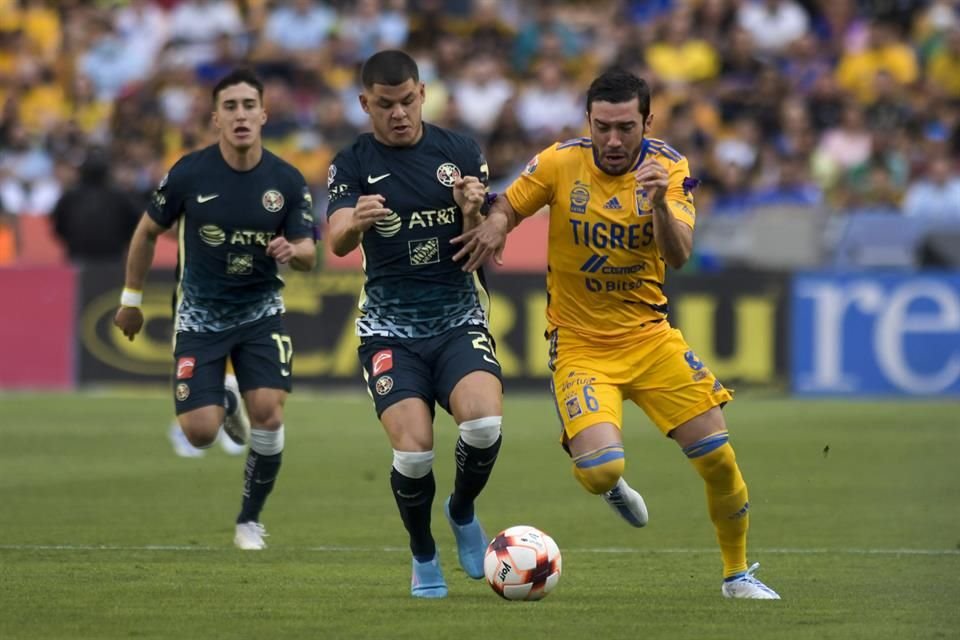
[[104, 533]]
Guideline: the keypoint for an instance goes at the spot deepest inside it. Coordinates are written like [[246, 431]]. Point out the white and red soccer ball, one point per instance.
[[522, 563]]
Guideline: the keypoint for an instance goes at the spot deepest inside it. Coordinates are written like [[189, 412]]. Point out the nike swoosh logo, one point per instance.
[[409, 496], [201, 198], [284, 372], [487, 463], [373, 180]]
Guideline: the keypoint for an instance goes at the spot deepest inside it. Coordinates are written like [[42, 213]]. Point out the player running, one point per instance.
[[241, 211], [400, 194], [621, 209]]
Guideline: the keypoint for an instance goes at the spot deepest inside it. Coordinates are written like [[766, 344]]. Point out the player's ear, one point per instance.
[[648, 123], [263, 116], [364, 104], [423, 92], [215, 119]]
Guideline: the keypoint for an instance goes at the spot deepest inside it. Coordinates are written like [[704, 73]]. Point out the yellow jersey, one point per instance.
[[604, 270]]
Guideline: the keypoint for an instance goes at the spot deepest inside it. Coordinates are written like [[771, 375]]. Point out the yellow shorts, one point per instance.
[[658, 372]]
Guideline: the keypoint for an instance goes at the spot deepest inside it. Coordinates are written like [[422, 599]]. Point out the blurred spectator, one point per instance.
[[773, 24], [680, 58], [143, 27], [372, 27], [937, 194], [298, 26], [195, 26], [858, 70], [28, 185], [110, 61], [528, 45], [95, 219], [845, 147], [481, 92], [549, 105], [943, 68], [794, 186]]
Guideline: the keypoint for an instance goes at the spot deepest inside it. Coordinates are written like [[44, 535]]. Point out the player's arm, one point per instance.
[[296, 245], [346, 228], [673, 235], [129, 318], [470, 191], [300, 253], [489, 238], [529, 193]]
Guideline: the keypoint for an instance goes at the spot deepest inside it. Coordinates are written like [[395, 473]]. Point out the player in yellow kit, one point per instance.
[[621, 210]]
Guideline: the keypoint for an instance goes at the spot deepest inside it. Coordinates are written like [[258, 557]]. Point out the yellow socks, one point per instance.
[[727, 499]]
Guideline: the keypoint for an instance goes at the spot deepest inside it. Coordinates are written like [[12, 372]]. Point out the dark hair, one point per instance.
[[390, 67], [618, 85], [238, 76]]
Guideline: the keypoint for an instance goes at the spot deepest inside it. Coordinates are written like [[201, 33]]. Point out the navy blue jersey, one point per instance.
[[413, 288], [226, 219]]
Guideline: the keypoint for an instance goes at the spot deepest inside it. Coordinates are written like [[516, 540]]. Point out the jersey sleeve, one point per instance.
[[343, 183], [680, 192], [167, 200], [534, 188], [299, 222]]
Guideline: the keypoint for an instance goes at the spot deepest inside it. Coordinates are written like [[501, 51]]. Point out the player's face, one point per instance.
[[240, 116], [395, 112], [617, 130]]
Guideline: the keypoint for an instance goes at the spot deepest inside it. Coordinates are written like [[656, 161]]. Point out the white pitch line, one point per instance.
[[608, 550]]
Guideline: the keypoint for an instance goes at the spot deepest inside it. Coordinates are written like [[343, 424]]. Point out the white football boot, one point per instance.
[[249, 536], [745, 585], [628, 504]]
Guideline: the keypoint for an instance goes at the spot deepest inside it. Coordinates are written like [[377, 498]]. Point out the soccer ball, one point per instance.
[[522, 563]]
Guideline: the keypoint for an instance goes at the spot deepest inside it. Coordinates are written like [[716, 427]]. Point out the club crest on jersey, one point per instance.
[[382, 361], [532, 165], [183, 391], [331, 175], [643, 202], [579, 197], [448, 174], [384, 385], [272, 200], [573, 407]]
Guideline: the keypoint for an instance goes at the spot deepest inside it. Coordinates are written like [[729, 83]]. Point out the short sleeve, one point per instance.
[[680, 192], [343, 183], [300, 222], [534, 188], [166, 203]]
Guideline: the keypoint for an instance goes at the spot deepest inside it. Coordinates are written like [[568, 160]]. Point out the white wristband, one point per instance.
[[131, 298]]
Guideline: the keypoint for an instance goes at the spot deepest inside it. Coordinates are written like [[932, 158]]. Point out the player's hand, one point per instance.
[[369, 211], [481, 242], [469, 193], [653, 178], [129, 320], [281, 250]]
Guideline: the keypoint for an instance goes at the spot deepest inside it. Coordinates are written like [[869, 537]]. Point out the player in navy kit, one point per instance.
[[400, 194], [240, 211]]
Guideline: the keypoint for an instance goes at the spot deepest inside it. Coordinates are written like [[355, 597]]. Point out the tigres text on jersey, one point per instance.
[[604, 273]]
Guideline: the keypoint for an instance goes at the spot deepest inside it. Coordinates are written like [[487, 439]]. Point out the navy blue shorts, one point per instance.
[[262, 356], [426, 368]]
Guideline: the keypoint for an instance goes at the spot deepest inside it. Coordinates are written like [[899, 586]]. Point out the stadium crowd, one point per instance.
[[844, 105]]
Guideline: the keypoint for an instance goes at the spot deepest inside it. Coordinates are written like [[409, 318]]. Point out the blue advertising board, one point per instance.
[[875, 334]]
